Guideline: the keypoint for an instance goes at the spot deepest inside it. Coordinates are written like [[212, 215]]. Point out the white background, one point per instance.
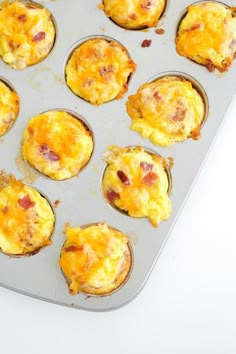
[[188, 305]]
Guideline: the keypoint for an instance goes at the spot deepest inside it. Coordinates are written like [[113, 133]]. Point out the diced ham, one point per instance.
[[179, 114], [146, 167], [160, 31], [146, 5], [210, 67], [157, 96], [150, 178], [194, 27], [22, 17], [25, 202], [88, 82], [112, 196], [48, 154], [146, 43], [74, 248], [38, 37], [106, 70], [124, 179], [5, 210], [133, 17], [52, 156]]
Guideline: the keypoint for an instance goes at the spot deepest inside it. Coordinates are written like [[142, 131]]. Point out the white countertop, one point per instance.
[[188, 305]]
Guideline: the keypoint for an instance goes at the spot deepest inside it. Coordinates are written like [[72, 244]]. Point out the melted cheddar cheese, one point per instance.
[[207, 35], [9, 107], [26, 220], [134, 14], [95, 259], [57, 144], [136, 182], [167, 110], [98, 70], [27, 33]]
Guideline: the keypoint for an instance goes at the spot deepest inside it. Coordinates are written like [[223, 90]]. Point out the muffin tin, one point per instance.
[[79, 200]]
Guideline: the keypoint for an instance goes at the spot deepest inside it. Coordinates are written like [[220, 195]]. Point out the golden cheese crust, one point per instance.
[[207, 35], [9, 107], [167, 110], [134, 14], [98, 70], [57, 144], [95, 259], [26, 220], [27, 33], [135, 181]]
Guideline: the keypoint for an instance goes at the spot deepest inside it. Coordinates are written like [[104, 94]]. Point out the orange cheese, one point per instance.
[[26, 220], [9, 107], [167, 110], [27, 33], [98, 70], [207, 35], [134, 14], [95, 259], [57, 144], [136, 182]]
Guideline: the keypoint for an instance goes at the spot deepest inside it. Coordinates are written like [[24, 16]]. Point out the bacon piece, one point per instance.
[[25, 202], [48, 154], [159, 31], [146, 167], [112, 196], [194, 27], [5, 210], [38, 37], [133, 17], [106, 70], [12, 44], [74, 248], [56, 203], [179, 114], [150, 178], [157, 96], [22, 17], [210, 67], [146, 43], [88, 82], [146, 5], [124, 179]]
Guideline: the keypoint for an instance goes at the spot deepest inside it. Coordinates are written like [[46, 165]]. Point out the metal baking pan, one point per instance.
[[42, 87]]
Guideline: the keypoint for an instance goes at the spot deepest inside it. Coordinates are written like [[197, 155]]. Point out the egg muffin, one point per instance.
[[98, 70], [95, 259], [167, 110], [27, 33], [26, 220], [207, 35], [9, 107], [134, 14], [57, 144], [135, 181]]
